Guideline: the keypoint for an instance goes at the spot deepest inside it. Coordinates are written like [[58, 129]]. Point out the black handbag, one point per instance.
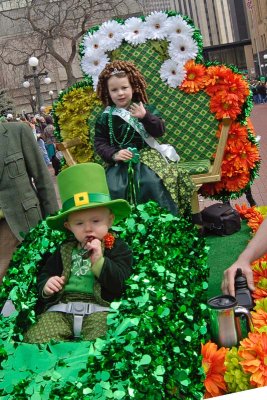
[[220, 219]]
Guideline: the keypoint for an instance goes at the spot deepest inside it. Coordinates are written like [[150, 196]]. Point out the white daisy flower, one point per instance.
[[173, 73], [182, 48], [134, 31], [111, 35], [177, 26], [156, 25], [93, 42], [93, 64]]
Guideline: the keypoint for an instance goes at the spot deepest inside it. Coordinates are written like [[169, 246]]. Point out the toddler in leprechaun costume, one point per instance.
[[78, 282]]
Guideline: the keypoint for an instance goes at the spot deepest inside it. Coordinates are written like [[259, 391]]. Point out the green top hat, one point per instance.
[[84, 186]]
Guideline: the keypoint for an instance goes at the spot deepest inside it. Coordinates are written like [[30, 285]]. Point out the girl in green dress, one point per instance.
[[139, 168]]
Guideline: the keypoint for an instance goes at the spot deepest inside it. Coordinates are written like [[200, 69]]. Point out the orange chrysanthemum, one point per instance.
[[214, 368], [259, 294], [237, 85], [254, 222], [210, 189], [253, 351], [259, 318], [237, 131], [259, 268], [217, 79], [195, 79], [242, 154], [243, 210], [236, 183], [223, 79], [225, 105]]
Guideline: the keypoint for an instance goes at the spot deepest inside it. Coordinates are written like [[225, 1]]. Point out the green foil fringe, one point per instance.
[[152, 347]]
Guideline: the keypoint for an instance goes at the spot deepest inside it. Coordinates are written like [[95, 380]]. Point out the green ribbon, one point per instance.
[[92, 197], [136, 156]]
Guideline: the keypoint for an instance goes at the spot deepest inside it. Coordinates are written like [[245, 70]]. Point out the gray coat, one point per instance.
[[27, 193]]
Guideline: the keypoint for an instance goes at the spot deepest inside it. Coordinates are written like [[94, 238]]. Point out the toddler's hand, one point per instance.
[[54, 285], [137, 110], [123, 155], [95, 249]]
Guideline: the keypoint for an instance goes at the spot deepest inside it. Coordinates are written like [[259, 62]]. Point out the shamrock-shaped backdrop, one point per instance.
[[152, 348], [192, 95]]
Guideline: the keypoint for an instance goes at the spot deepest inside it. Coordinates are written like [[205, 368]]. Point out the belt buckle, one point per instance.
[[78, 308]]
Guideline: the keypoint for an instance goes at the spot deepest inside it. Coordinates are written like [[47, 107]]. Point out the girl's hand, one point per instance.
[[122, 155], [137, 110], [54, 285], [95, 250]]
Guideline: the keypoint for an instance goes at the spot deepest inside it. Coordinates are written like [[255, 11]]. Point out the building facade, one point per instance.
[[234, 32]]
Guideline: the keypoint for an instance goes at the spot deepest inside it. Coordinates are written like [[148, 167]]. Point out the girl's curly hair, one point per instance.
[[121, 69]]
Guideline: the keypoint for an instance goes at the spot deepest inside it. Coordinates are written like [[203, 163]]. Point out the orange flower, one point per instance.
[[259, 294], [225, 105], [259, 268], [196, 78], [254, 222], [259, 318], [242, 210], [210, 189], [217, 79], [237, 131], [237, 85], [214, 368], [236, 183], [253, 351], [109, 240], [223, 79]]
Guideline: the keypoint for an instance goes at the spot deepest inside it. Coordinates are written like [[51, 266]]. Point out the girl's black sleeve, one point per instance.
[[153, 122], [101, 140]]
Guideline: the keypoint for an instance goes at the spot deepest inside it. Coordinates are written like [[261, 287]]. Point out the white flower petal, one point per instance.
[[177, 26], [111, 33], [93, 64], [134, 31], [173, 73], [182, 49], [156, 25], [93, 42]]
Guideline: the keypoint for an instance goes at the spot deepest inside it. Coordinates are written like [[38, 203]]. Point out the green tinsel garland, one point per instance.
[[152, 347]]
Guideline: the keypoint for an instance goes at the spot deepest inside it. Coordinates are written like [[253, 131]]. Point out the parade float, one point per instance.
[[158, 341]]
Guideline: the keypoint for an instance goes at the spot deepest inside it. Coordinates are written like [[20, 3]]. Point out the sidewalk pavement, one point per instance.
[[259, 187]]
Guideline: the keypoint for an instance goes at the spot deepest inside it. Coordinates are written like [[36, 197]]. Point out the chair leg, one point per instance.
[[250, 198], [196, 215]]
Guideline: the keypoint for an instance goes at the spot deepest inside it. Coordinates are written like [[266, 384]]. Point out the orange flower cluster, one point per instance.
[[108, 240], [228, 91], [253, 216], [253, 351], [240, 157], [214, 368]]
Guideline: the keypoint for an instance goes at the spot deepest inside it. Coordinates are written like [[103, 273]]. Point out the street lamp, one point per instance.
[[36, 76]]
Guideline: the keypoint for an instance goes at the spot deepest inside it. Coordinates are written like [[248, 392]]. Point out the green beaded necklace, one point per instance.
[[113, 138]]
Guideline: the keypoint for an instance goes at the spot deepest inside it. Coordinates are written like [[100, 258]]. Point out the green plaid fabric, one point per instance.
[[196, 167]]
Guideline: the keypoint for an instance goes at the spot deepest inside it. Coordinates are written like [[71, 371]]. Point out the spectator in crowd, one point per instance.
[[27, 192]]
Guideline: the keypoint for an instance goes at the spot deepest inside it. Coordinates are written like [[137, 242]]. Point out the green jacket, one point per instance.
[[27, 193]]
